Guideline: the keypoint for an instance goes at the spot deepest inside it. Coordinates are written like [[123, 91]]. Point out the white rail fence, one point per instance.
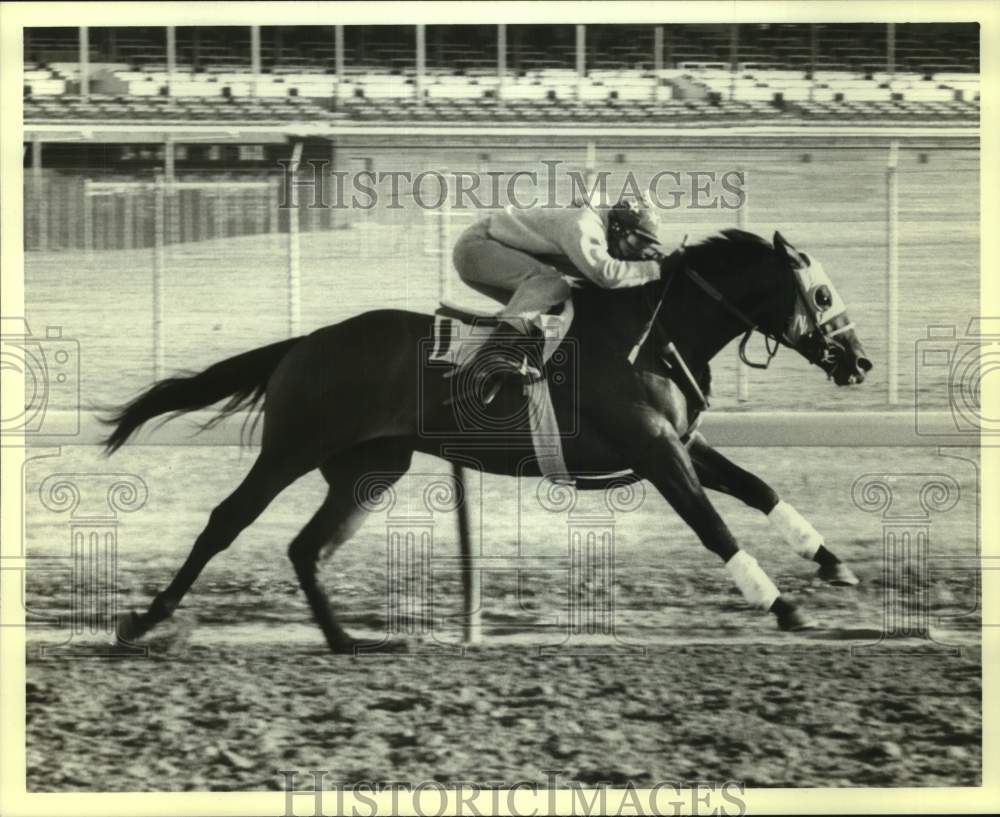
[[165, 193], [153, 214]]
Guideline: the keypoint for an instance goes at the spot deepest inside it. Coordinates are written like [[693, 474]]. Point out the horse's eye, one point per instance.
[[823, 298]]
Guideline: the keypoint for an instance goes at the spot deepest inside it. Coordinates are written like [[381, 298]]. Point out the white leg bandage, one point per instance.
[[747, 575], [795, 529]]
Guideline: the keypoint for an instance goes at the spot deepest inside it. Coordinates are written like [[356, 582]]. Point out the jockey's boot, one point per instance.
[[506, 353]]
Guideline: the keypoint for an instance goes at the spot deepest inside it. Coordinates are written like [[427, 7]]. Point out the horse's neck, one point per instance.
[[698, 326], [614, 319]]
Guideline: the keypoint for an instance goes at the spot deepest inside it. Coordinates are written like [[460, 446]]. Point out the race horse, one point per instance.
[[360, 397]]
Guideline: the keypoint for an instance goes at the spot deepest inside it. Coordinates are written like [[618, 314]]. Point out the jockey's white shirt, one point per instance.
[[579, 233]]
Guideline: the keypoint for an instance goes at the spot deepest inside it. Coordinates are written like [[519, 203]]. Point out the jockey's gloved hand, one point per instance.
[[668, 263]]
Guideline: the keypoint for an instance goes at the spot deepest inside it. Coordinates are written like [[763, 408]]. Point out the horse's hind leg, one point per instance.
[[268, 477], [720, 474], [356, 478]]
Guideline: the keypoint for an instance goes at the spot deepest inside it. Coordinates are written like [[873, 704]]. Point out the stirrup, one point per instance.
[[495, 380], [531, 374], [493, 389], [527, 373], [491, 392]]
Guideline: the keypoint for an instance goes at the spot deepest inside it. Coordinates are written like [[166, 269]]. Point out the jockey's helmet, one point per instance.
[[632, 227]]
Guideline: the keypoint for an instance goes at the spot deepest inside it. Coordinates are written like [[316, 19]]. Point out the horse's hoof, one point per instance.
[[794, 620], [129, 627], [837, 574]]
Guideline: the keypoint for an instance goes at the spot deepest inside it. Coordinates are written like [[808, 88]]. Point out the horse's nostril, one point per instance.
[[864, 364]]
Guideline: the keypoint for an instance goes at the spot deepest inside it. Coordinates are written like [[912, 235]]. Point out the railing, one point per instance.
[[156, 220]]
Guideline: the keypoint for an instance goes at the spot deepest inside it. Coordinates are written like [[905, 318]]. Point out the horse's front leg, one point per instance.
[[663, 459], [721, 474]]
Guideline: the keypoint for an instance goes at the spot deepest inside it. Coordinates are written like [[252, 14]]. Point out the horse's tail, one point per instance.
[[243, 379]]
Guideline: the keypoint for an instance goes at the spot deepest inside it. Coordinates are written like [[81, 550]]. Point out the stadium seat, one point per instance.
[[936, 77]]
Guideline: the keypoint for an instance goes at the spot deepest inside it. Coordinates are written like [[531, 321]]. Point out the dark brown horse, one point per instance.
[[359, 397]]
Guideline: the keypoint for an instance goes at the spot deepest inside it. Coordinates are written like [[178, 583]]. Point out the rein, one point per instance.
[[719, 298], [751, 325], [644, 335]]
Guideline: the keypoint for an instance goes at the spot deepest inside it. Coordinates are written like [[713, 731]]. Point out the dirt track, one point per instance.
[[229, 719], [246, 687]]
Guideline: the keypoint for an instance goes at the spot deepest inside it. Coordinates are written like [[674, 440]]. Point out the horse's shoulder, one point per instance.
[[605, 318]]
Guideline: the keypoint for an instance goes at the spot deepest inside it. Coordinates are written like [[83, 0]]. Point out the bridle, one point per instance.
[[674, 262], [750, 325]]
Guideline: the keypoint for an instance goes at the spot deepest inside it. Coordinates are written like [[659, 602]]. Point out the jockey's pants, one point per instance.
[[527, 286]]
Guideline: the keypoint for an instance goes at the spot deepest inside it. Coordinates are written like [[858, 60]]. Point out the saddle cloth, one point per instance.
[[458, 335], [459, 332]]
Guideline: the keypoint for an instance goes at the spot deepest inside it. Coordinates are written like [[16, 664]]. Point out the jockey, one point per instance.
[[502, 256]]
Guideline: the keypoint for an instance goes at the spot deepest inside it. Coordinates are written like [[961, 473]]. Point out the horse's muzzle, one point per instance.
[[850, 364]]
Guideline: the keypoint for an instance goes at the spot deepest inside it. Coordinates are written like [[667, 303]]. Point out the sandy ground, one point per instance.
[[231, 718], [240, 685]]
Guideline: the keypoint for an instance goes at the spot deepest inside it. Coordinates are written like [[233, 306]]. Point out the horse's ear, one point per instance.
[[784, 248]]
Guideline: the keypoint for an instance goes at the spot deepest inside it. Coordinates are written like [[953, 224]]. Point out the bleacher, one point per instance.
[[281, 110], [783, 72]]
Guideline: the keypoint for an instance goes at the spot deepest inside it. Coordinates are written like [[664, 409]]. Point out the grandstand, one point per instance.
[[560, 74]]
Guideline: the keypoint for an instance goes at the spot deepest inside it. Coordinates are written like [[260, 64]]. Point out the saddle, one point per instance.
[[460, 332], [458, 335]]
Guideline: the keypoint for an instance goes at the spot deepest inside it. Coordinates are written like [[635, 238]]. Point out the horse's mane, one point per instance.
[[730, 247]]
